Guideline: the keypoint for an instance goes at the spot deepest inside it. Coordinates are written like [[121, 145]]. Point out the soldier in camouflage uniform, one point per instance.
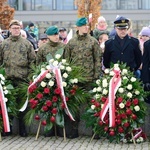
[[17, 54], [51, 46], [84, 50]]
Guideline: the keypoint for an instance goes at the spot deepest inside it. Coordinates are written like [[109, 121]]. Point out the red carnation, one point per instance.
[[67, 98], [57, 91], [73, 92], [126, 124], [103, 99], [54, 99], [46, 90], [32, 89], [37, 117], [128, 111], [62, 105], [135, 101], [128, 103], [33, 103], [120, 99], [120, 130], [111, 133], [118, 121], [45, 108], [93, 101], [96, 114], [123, 116], [134, 117], [44, 123], [52, 119], [48, 103], [100, 123], [97, 104], [54, 111], [39, 95]]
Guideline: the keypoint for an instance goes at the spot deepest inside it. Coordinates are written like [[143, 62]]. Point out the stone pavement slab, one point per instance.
[[52, 143]]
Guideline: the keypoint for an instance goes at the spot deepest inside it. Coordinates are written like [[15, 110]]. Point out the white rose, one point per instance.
[[125, 78], [98, 81], [102, 105], [2, 82], [6, 92], [129, 95], [2, 77], [51, 60], [136, 108], [121, 90], [138, 140], [48, 67], [48, 76], [124, 71], [68, 69], [104, 83], [106, 71], [43, 84], [75, 80], [62, 67], [133, 79], [72, 81], [129, 87], [137, 92], [97, 96], [94, 90], [51, 83], [55, 63], [57, 56], [4, 88], [121, 105], [63, 61], [43, 69], [141, 139], [111, 73], [105, 91], [99, 89], [5, 99], [93, 107], [65, 75], [116, 65], [64, 84]]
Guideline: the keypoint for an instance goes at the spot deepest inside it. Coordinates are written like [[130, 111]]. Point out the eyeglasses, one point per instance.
[[16, 28]]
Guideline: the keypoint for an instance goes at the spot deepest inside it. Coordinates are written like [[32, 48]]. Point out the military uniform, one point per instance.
[[124, 49]]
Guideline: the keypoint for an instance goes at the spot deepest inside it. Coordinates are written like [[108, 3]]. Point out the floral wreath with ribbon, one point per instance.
[[117, 109]]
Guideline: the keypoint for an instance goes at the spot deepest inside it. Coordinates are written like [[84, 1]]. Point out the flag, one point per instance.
[[69, 36]]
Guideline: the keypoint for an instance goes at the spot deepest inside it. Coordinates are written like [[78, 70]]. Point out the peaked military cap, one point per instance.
[[43, 36], [121, 22], [52, 30], [14, 22], [81, 22], [62, 29]]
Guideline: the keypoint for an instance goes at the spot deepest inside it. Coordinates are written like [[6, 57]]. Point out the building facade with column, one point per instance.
[[64, 12]]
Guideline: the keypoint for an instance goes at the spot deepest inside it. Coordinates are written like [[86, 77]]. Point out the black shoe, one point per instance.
[[23, 134]]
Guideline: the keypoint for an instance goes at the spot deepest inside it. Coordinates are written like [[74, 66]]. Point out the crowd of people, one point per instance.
[[20, 47]]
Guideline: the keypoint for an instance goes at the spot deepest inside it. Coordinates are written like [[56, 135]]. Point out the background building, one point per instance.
[[64, 12]]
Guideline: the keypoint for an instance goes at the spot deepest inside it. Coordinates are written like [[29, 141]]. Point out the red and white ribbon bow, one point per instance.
[[114, 84], [4, 111]]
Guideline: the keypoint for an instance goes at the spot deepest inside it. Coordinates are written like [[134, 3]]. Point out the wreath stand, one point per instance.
[[38, 131], [133, 138], [92, 137], [0, 137]]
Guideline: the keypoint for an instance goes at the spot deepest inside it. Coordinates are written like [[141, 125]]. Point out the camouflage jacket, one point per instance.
[[16, 54], [85, 51], [45, 49]]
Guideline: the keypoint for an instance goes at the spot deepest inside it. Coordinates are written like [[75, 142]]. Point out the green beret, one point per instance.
[[81, 22], [52, 30]]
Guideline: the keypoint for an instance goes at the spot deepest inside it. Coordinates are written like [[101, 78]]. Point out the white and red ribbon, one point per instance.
[[114, 84], [4, 111], [137, 134]]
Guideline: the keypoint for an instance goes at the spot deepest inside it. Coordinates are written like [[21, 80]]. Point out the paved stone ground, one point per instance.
[[16, 142]]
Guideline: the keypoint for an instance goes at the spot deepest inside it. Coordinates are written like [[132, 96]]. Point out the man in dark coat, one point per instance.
[[122, 47]]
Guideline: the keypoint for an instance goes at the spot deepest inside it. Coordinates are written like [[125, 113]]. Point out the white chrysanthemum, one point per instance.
[[136, 108], [93, 107], [64, 84], [133, 79], [111, 73], [51, 60], [48, 67], [6, 99], [55, 63], [129, 95], [116, 65], [43, 69], [138, 140], [6, 92], [94, 90], [121, 90], [104, 83], [65, 75], [105, 92], [129, 86], [43, 84], [99, 89], [98, 81], [72, 81], [68, 69], [2, 77], [102, 105], [97, 96], [137, 92], [51, 83], [57, 56], [75, 80], [124, 71], [48, 76], [62, 67], [2, 82], [63, 61], [4, 87], [125, 78], [106, 71], [121, 105], [141, 139]]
